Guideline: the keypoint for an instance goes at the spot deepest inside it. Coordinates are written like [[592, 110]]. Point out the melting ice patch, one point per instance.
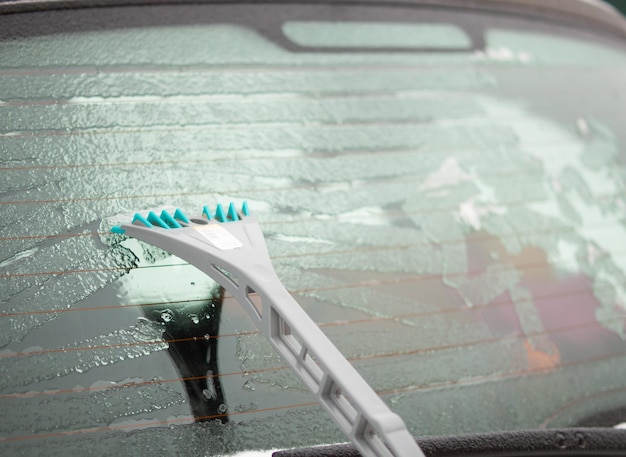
[[578, 177], [71, 411], [503, 54], [26, 368], [448, 174], [372, 215], [19, 256], [301, 239], [471, 212]]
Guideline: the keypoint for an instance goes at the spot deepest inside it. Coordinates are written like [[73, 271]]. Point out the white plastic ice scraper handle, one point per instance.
[[232, 251]]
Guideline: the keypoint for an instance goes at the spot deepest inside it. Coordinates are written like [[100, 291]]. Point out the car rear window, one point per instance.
[[453, 219]]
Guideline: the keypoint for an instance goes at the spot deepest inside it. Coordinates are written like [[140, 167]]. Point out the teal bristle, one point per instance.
[[232, 212], [207, 212], [244, 208], [143, 220], [156, 220], [219, 213], [169, 220], [117, 229], [178, 214]]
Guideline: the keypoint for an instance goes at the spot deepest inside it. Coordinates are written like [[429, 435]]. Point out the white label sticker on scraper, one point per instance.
[[219, 237]]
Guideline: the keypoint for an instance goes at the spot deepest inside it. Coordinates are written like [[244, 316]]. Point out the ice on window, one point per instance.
[[452, 221]]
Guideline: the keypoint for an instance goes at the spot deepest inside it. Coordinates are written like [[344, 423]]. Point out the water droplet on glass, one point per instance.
[[167, 316], [206, 393]]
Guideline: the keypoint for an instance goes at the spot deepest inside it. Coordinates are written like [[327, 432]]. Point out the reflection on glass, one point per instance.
[[192, 333]]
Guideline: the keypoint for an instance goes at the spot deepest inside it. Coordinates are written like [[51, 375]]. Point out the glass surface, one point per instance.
[[453, 221]]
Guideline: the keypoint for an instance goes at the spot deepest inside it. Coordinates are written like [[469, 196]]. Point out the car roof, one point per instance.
[[594, 13]]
